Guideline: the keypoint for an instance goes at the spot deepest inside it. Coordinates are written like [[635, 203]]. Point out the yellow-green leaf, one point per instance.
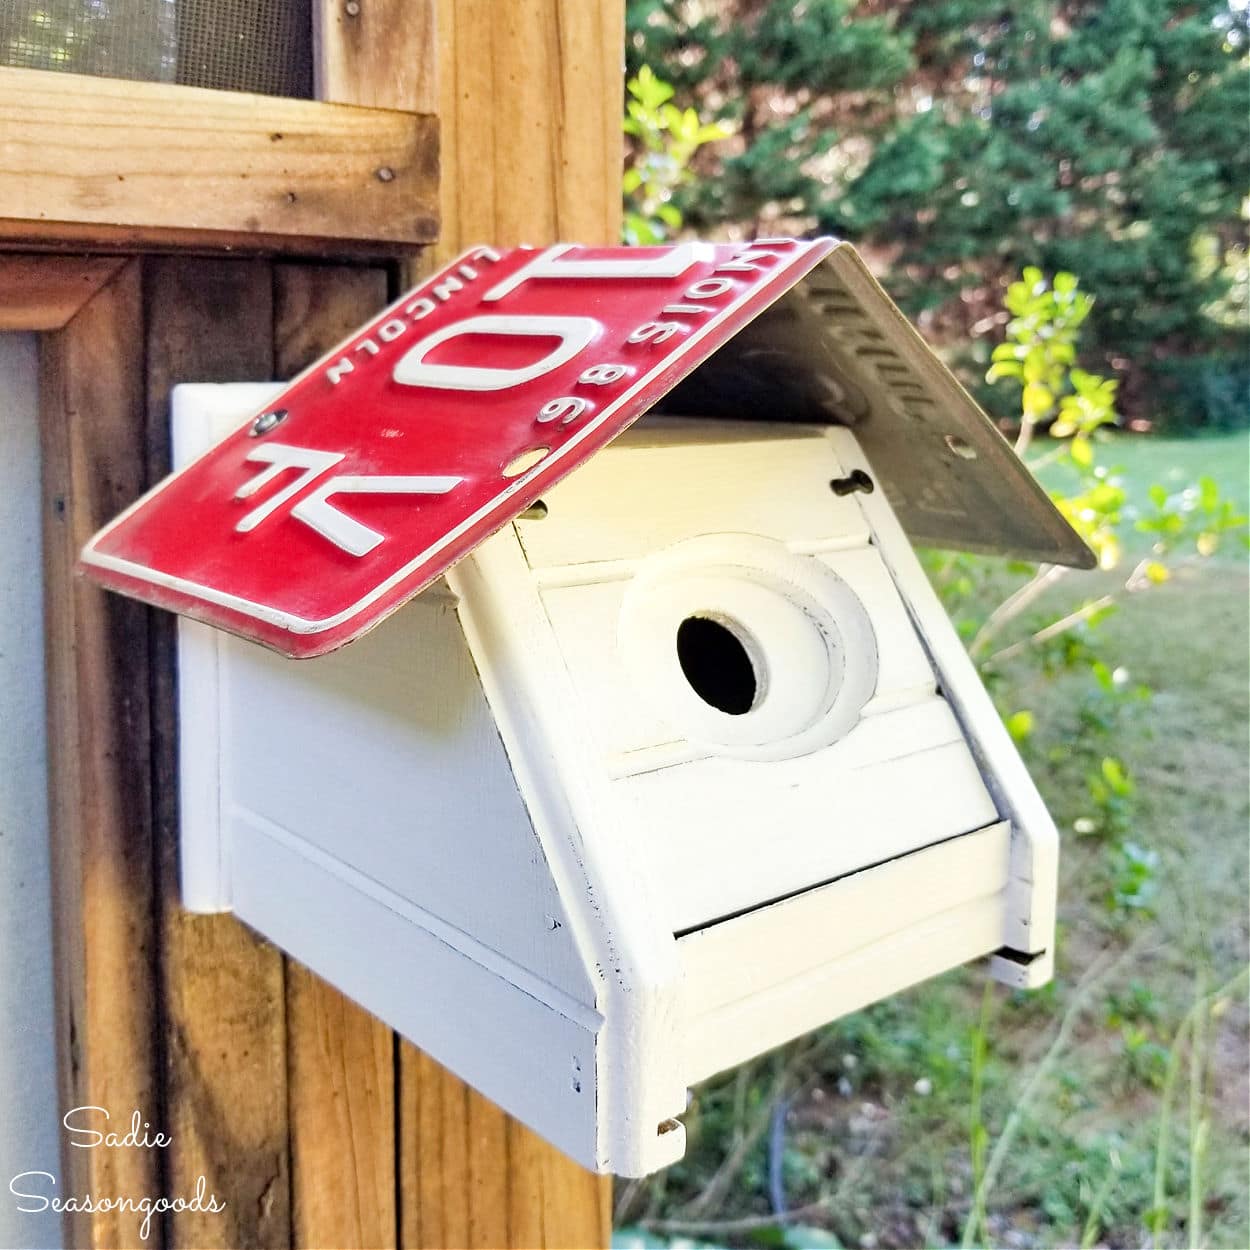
[[1037, 399]]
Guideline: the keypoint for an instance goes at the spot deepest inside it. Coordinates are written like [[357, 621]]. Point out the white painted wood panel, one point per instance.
[[439, 800], [536, 1062], [1035, 841], [739, 958], [586, 619], [608, 895], [717, 836], [885, 734], [662, 483], [720, 1039]]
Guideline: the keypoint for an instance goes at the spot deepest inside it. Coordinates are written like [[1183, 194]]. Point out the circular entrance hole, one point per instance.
[[716, 664]]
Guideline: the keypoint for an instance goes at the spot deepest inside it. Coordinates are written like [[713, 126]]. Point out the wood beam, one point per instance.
[[46, 292], [222, 989], [140, 163]]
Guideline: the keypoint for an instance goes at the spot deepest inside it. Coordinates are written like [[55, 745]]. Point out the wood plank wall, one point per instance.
[[313, 1123]]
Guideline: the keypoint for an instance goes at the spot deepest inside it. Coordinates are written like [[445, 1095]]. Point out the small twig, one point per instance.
[[1053, 630], [1025, 437], [625, 1203], [1055, 453], [712, 1194], [1015, 603], [1135, 582], [1197, 1120]]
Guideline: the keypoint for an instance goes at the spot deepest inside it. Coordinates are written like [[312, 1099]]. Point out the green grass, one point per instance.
[[1138, 1126], [1175, 462]]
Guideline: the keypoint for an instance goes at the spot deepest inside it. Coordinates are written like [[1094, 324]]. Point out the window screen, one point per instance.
[[242, 45]]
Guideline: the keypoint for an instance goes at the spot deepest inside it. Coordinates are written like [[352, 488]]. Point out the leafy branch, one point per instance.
[[665, 139]]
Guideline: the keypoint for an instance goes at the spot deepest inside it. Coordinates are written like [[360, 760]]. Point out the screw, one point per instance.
[[351, 8], [961, 447], [857, 481], [385, 174], [268, 421]]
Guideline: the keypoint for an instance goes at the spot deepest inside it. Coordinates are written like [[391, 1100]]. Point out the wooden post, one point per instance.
[[529, 96], [90, 392], [221, 989]]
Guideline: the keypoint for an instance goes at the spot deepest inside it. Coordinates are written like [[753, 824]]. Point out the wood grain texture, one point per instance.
[[341, 1091], [472, 1177], [340, 1059], [530, 97], [531, 153], [222, 989], [44, 292], [91, 388], [221, 165], [317, 306], [378, 53]]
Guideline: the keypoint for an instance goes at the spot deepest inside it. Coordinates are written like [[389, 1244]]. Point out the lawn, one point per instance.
[[1110, 1108]]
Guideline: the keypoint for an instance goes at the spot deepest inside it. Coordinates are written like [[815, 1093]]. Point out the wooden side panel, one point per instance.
[[91, 389], [340, 1059], [1034, 840], [222, 989], [171, 163]]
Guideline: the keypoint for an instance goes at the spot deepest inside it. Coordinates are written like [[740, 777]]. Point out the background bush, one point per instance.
[[959, 140]]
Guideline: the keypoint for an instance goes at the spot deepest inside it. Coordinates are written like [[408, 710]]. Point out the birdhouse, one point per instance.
[[594, 754]]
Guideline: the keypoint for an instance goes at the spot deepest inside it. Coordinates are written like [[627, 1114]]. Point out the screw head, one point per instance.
[[351, 8], [268, 421], [858, 480]]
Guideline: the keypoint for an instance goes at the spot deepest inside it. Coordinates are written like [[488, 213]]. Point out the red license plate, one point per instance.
[[430, 429]]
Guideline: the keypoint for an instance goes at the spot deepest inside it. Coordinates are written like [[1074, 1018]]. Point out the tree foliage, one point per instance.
[[964, 139]]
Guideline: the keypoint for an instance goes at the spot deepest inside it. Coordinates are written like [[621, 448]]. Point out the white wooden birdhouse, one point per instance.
[[651, 749]]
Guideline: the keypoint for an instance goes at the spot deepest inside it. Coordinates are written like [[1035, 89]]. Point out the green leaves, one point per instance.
[[1197, 520], [665, 139], [1039, 356], [648, 90]]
